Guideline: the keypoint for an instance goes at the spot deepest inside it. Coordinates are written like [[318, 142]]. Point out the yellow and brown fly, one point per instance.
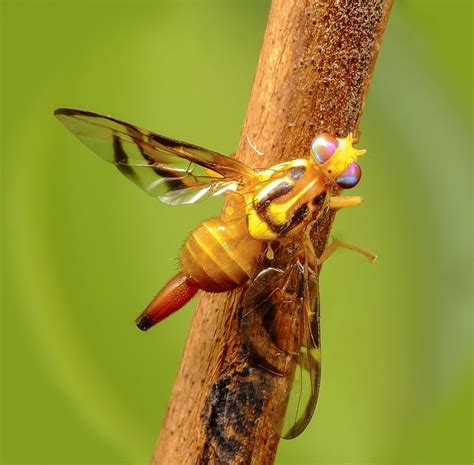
[[279, 207]]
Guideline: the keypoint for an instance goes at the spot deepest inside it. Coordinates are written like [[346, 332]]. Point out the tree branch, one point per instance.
[[313, 75]]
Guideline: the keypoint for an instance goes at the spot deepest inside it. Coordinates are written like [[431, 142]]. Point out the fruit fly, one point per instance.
[[277, 209]]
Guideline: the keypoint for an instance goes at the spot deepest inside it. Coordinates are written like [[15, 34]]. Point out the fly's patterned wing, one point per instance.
[[280, 327], [305, 390], [173, 171]]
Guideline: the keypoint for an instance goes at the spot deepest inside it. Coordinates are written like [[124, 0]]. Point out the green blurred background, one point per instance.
[[85, 250]]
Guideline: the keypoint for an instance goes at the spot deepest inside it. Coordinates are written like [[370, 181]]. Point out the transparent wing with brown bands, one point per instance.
[[173, 171], [305, 389], [280, 328]]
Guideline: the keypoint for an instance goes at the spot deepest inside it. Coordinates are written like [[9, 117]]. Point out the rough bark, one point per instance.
[[313, 75]]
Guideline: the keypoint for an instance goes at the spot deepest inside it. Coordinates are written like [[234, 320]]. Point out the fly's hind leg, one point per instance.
[[336, 244]]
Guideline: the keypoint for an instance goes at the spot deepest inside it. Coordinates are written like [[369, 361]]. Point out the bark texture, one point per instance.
[[313, 75]]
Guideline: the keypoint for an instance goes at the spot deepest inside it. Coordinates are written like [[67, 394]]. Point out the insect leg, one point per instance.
[[343, 202], [335, 244]]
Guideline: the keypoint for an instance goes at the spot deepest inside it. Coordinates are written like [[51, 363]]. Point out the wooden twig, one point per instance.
[[313, 74]]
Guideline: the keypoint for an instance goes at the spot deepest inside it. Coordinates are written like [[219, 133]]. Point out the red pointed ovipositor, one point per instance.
[[176, 293]]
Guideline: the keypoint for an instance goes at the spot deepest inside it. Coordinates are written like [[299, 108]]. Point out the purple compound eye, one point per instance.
[[323, 146], [350, 177]]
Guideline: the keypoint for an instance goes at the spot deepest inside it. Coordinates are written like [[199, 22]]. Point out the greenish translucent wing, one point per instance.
[[173, 171], [280, 328]]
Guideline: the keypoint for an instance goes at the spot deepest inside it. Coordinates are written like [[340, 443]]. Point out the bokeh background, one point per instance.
[[85, 250]]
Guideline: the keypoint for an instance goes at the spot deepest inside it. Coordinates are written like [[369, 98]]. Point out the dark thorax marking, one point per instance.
[[279, 191], [319, 200], [298, 216], [297, 172]]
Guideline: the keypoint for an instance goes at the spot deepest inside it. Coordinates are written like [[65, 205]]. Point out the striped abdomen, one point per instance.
[[220, 256]]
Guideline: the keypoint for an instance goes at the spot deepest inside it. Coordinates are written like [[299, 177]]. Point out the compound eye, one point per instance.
[[323, 146], [350, 177]]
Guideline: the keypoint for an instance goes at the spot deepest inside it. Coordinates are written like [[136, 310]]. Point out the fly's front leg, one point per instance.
[[337, 202], [335, 244]]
